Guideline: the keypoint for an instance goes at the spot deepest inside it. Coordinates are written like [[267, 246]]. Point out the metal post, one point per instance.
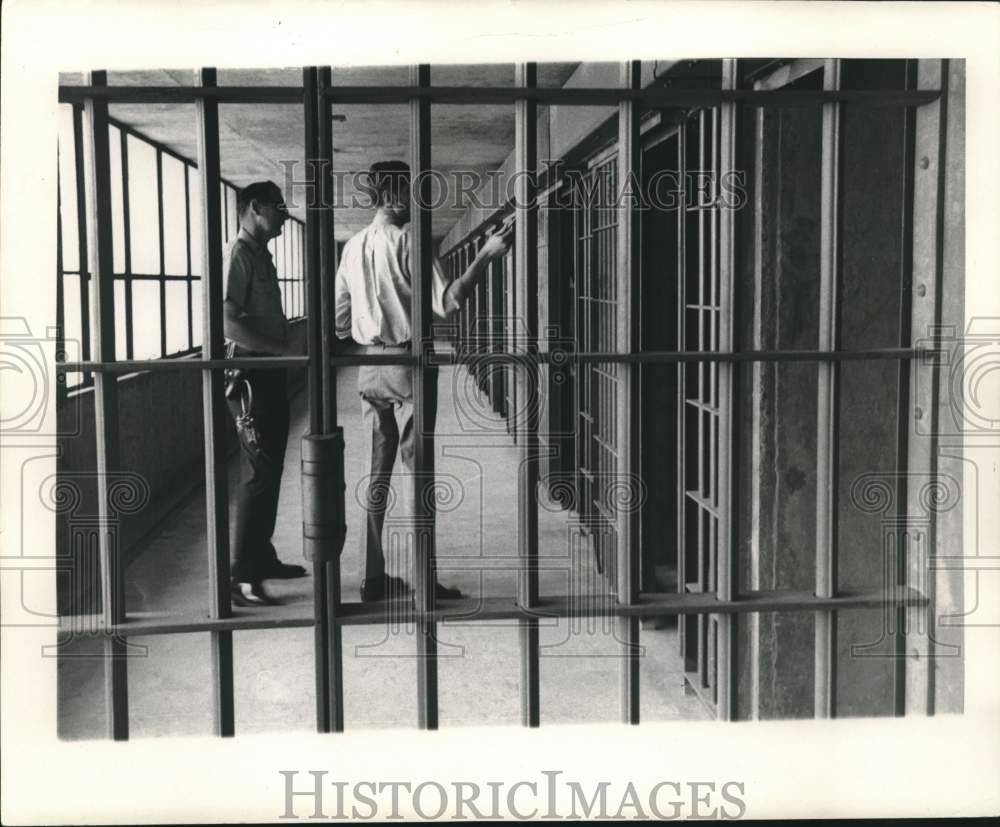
[[162, 254], [526, 273], [98, 200], [423, 457], [327, 273], [828, 419], [627, 415], [903, 369], [726, 566], [915, 694], [83, 229], [213, 401], [682, 298], [314, 303]]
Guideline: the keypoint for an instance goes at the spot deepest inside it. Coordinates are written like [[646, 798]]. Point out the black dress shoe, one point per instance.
[[447, 593], [250, 594], [384, 587], [277, 570]]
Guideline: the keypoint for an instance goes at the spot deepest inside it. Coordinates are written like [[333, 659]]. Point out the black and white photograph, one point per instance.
[[475, 429]]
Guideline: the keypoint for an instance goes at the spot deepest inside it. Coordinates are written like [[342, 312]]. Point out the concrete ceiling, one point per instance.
[[266, 141]]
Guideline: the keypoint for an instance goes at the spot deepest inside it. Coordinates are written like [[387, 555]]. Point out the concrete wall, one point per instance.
[[954, 451], [778, 294]]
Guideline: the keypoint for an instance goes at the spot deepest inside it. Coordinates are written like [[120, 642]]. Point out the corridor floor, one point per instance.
[[170, 683]]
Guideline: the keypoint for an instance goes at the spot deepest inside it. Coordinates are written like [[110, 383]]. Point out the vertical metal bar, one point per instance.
[[903, 369], [726, 566], [83, 228], [187, 257], [627, 402], [827, 421], [759, 375], [214, 406], [925, 300], [162, 257], [526, 273], [98, 211], [327, 273], [314, 310], [423, 397], [705, 562], [681, 262], [127, 247], [60, 353]]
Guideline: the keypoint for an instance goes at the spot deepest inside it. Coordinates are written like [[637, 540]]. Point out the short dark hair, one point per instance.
[[266, 192], [387, 180]]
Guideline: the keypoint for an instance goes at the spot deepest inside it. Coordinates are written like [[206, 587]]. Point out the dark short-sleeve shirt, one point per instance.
[[251, 283]]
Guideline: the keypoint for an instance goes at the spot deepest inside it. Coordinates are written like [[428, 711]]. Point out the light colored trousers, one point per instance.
[[387, 394]]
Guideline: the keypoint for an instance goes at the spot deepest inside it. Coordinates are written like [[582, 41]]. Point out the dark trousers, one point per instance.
[[261, 467], [388, 417]]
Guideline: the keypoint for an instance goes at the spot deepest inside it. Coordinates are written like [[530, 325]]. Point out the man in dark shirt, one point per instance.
[[254, 321]]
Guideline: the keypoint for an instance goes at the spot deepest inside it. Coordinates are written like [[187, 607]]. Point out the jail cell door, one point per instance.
[[660, 403], [597, 383], [699, 490]]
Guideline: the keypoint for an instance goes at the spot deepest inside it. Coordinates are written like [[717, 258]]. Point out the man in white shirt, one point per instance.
[[373, 299]]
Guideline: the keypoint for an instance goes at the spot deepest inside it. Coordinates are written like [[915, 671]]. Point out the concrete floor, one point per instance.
[[170, 678]]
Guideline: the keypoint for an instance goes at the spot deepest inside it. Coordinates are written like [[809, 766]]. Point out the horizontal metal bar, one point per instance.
[[471, 95], [547, 357], [478, 95], [467, 610], [182, 94], [136, 365], [653, 357]]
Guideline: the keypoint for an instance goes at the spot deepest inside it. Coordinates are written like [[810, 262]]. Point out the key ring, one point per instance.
[[246, 397]]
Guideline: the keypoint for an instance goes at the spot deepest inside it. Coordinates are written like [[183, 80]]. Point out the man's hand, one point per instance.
[[498, 243]]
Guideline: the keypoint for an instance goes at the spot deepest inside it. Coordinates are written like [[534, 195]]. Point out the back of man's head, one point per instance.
[[390, 181], [263, 192]]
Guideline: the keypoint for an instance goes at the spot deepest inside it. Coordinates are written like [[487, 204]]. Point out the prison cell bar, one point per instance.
[[477, 96], [127, 246], [526, 273], [60, 300], [423, 449], [627, 415], [84, 223], [727, 582], [705, 438], [544, 357], [214, 407], [680, 263], [925, 299], [828, 415], [187, 256], [162, 257], [652, 604], [106, 409], [321, 642], [327, 271], [904, 337]]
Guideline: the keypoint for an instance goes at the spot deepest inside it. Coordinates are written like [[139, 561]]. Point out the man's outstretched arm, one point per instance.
[[460, 289]]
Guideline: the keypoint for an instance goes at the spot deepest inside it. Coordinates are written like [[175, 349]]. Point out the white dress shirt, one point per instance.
[[372, 289]]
